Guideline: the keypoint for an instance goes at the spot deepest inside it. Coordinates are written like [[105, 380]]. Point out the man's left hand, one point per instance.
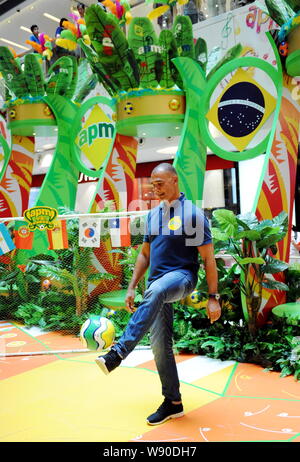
[[213, 310]]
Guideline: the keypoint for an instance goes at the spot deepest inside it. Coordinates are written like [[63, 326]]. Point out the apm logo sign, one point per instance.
[[95, 138], [40, 217], [95, 132]]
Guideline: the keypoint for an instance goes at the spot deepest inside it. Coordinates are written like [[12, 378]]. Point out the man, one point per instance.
[[81, 9], [176, 233], [190, 9], [35, 35]]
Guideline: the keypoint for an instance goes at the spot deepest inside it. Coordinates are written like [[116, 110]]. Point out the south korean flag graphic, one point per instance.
[[89, 232]]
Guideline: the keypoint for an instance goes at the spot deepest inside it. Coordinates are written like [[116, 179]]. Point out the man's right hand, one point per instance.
[[129, 300]]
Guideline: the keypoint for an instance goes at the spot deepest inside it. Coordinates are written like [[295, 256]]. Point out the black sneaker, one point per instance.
[[167, 410], [109, 362]]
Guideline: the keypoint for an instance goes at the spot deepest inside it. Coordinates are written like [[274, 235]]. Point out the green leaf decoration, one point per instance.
[[227, 221], [279, 11], [251, 260], [274, 285], [144, 43], [72, 87], [267, 230], [110, 86], [294, 4], [34, 75], [270, 240], [12, 73], [85, 90], [168, 52], [273, 266], [201, 53], [134, 65], [247, 220], [251, 234], [111, 45], [183, 32], [218, 235], [281, 220], [232, 53], [60, 76]]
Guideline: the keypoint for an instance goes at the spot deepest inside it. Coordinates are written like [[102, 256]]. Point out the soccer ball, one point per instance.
[[128, 108], [97, 333]]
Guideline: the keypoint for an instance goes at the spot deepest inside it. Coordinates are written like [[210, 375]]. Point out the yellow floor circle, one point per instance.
[[8, 335], [16, 344]]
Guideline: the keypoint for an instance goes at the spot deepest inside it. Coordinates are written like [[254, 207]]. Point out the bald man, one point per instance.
[[176, 233]]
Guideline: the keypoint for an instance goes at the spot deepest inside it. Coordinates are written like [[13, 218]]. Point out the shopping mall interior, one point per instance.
[[214, 92]]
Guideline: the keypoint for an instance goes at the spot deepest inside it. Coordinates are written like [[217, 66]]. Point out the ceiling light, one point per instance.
[[49, 16], [48, 146], [168, 150], [14, 43], [26, 29], [46, 160]]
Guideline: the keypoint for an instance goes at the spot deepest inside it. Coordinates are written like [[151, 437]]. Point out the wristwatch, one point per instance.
[[215, 296]]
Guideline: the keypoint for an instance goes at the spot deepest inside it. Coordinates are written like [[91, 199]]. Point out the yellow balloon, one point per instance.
[[128, 17], [157, 12], [66, 43], [87, 40]]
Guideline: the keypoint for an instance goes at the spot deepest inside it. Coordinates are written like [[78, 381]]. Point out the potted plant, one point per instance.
[[252, 244]]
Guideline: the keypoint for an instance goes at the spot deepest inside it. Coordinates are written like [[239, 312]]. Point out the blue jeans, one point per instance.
[[156, 313]]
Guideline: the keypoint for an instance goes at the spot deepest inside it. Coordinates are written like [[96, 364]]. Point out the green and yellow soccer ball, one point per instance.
[[97, 333]]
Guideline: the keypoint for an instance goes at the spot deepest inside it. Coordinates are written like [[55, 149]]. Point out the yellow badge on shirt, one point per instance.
[[174, 223]]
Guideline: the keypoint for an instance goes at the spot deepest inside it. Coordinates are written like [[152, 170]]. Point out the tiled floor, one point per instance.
[[65, 397]]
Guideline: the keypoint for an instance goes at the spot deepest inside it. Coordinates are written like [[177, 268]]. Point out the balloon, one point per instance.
[[109, 4], [82, 28], [65, 43], [48, 45], [157, 12], [70, 26], [128, 17], [48, 54], [87, 40], [13, 52], [75, 17], [36, 46], [68, 35], [119, 9]]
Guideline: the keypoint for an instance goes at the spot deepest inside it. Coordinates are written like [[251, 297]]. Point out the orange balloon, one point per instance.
[[69, 25], [35, 46]]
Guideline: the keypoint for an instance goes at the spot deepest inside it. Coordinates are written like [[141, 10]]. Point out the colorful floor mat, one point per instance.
[[65, 397]]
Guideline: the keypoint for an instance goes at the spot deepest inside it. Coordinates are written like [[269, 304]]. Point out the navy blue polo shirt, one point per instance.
[[174, 232]]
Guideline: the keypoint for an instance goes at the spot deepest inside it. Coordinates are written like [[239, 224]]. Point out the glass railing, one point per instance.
[[200, 10]]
